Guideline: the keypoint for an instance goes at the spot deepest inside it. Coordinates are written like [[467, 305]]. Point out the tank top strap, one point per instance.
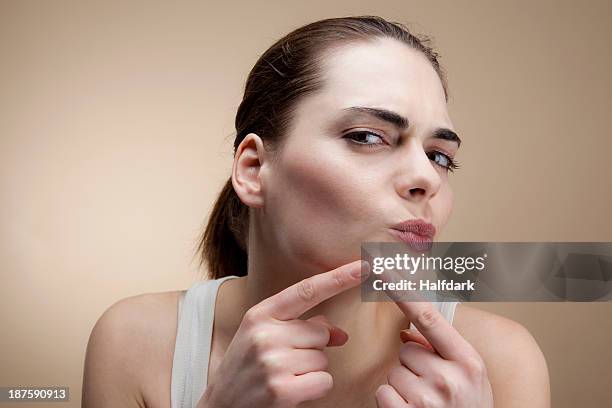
[[196, 316]]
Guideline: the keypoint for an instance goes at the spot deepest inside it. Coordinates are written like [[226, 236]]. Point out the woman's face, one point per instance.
[[345, 175]]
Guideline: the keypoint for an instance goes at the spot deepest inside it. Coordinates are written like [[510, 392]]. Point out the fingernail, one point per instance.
[[365, 270], [356, 273]]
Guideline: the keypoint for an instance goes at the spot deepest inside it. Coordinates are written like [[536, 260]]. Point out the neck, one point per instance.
[[372, 326]]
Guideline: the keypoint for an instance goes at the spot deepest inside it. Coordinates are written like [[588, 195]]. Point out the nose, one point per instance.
[[417, 180]]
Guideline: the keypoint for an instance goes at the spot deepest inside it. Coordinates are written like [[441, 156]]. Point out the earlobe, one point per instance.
[[246, 173]]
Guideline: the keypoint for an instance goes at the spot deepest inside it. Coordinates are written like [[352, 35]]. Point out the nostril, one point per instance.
[[417, 191]]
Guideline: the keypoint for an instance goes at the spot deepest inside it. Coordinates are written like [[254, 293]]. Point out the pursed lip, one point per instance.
[[416, 242], [421, 228]]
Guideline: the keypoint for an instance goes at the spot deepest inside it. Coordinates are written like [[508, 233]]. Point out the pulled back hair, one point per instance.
[[288, 71]]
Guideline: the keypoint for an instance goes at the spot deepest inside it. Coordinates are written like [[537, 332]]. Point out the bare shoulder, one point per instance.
[[515, 363], [130, 350]]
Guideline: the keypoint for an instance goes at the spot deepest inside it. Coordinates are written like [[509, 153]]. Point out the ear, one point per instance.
[[246, 179]]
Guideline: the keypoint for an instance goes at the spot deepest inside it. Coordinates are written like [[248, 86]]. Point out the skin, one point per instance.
[[312, 204]]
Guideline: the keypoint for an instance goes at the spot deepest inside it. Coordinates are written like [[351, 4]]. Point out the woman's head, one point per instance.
[[311, 104]]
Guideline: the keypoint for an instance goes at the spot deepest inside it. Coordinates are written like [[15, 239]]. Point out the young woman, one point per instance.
[[343, 133]]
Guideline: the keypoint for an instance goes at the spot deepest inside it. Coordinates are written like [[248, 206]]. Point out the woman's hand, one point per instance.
[[439, 368], [275, 359]]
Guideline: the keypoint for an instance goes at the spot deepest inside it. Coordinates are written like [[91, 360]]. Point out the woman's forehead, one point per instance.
[[385, 74]]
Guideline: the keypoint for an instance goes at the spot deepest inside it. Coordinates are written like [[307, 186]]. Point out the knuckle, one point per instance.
[[306, 290], [429, 318], [425, 400], [274, 389], [339, 278], [319, 360], [327, 381], [474, 367], [324, 362], [322, 333], [251, 316], [395, 375], [322, 384], [406, 351], [269, 361], [260, 338], [445, 387], [409, 347], [378, 396]]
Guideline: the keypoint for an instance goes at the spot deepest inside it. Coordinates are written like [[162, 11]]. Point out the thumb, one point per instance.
[[337, 336], [407, 335]]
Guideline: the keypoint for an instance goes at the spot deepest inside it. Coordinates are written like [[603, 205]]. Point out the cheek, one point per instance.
[[315, 187], [442, 206], [317, 207]]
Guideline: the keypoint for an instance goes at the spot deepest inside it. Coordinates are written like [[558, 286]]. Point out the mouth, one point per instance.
[[417, 234], [413, 240]]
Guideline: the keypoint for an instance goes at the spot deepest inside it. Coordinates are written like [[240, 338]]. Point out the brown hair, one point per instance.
[[287, 71]]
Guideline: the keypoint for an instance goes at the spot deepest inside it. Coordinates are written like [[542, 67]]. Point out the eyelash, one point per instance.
[[453, 164]]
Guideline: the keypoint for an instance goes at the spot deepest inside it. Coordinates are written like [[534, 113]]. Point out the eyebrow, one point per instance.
[[401, 122]]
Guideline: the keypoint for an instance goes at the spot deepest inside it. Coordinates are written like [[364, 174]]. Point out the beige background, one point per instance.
[[116, 130]]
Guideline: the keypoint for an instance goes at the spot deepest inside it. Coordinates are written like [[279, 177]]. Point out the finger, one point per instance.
[[412, 388], [302, 361], [387, 397], [302, 334], [444, 338], [413, 335], [296, 361], [422, 361], [337, 336], [312, 385], [297, 299], [314, 333]]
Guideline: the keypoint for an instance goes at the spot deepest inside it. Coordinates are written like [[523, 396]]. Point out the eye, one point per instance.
[[365, 137], [442, 160]]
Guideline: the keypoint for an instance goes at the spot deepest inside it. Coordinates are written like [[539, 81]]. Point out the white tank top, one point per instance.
[[196, 312]]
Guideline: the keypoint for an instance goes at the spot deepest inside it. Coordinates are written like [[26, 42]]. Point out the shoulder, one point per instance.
[[515, 364], [131, 340]]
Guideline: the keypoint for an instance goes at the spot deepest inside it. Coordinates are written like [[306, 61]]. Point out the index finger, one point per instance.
[[297, 299], [444, 338]]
